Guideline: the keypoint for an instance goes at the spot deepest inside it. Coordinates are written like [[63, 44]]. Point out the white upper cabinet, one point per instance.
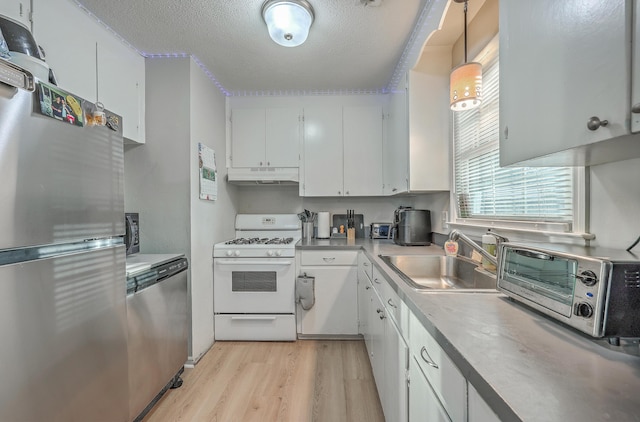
[[323, 161], [248, 137], [417, 138], [396, 145], [566, 82], [66, 35], [362, 132], [342, 151], [90, 61], [121, 84], [265, 137], [635, 70], [17, 10], [282, 137]]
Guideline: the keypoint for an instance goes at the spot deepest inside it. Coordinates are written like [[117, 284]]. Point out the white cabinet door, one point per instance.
[[562, 63], [423, 403], [248, 137], [362, 138], [66, 34], [17, 10], [323, 160], [282, 137], [479, 410], [396, 393], [396, 145], [121, 84], [376, 355], [635, 69], [335, 310], [428, 133], [444, 377]]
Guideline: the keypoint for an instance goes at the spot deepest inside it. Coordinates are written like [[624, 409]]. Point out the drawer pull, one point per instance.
[[376, 280], [367, 287], [428, 359], [329, 259], [379, 311], [391, 304]]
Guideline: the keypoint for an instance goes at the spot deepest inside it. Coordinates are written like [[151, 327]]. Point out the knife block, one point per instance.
[[351, 233]]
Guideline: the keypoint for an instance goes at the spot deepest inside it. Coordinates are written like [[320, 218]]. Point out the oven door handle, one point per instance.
[[243, 262], [534, 255], [253, 318]]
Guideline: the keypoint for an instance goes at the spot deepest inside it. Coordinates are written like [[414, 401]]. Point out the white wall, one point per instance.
[[211, 221], [161, 181], [615, 204], [285, 199]]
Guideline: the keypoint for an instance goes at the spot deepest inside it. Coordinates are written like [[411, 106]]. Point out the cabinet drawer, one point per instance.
[[443, 376], [329, 257], [364, 265]]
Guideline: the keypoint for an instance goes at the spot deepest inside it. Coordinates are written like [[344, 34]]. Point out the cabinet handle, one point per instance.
[[367, 287], [506, 132], [260, 163], [394, 190], [375, 280], [268, 163], [594, 123], [382, 316], [328, 259], [635, 108], [428, 359], [391, 304], [346, 193], [379, 311], [339, 193], [366, 264]]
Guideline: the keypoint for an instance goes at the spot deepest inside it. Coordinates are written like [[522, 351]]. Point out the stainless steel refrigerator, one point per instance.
[[62, 267]]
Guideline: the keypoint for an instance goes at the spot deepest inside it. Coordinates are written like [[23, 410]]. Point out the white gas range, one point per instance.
[[254, 279]]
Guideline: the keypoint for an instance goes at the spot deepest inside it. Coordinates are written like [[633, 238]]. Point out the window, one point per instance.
[[484, 190]]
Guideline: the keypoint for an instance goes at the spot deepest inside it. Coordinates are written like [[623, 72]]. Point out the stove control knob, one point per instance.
[[229, 253], [278, 253], [269, 253], [236, 253], [588, 277], [583, 309]]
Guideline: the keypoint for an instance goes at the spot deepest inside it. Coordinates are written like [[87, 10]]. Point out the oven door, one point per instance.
[[254, 285]]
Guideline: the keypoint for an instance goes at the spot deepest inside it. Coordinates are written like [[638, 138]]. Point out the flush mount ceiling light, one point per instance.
[[288, 21], [466, 80]]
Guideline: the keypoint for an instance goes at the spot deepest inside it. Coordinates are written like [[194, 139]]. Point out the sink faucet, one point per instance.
[[457, 234]]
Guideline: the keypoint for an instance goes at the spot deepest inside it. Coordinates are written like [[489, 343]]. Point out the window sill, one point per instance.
[[535, 231]]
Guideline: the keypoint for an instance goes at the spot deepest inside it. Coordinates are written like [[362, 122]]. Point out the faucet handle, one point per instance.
[[499, 238]]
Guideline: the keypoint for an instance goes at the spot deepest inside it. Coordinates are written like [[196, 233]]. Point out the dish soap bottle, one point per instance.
[[489, 245]]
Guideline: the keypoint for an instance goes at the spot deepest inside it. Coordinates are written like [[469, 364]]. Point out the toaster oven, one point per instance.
[[132, 232], [594, 290], [380, 230]]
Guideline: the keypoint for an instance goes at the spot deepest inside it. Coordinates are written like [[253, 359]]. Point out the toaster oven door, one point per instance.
[[548, 280]]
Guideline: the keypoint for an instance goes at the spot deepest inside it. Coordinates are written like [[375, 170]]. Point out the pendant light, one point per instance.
[[288, 21], [465, 87]]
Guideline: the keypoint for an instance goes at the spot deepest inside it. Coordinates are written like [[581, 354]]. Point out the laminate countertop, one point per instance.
[[525, 365]]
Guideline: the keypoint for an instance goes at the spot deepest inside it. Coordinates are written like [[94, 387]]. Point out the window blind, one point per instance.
[[485, 190]]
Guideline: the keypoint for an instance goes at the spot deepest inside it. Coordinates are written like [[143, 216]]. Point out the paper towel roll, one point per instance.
[[324, 227]]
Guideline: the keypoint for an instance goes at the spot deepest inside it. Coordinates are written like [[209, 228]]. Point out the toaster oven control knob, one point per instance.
[[269, 253], [588, 277], [229, 253], [278, 253], [236, 253], [584, 310]]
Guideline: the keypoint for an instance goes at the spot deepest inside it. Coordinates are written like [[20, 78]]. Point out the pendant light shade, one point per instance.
[[288, 21], [465, 86]]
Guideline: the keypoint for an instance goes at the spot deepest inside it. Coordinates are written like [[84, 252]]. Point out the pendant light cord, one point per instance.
[[465, 31]]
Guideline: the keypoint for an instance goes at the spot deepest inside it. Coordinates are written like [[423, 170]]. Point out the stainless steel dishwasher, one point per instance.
[[158, 329]]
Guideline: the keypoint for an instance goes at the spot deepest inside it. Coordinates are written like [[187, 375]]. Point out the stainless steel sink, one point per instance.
[[441, 273]]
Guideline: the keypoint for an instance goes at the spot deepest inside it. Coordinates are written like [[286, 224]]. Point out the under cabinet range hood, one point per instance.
[[263, 176]]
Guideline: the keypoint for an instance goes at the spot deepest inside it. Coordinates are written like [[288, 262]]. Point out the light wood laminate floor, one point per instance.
[[306, 380]]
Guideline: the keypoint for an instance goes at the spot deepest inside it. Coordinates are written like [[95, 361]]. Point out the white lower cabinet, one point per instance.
[[424, 405], [335, 311], [445, 378], [396, 390], [376, 354], [479, 410]]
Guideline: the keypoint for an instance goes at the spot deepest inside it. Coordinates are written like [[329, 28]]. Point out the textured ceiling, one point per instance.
[[351, 47]]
